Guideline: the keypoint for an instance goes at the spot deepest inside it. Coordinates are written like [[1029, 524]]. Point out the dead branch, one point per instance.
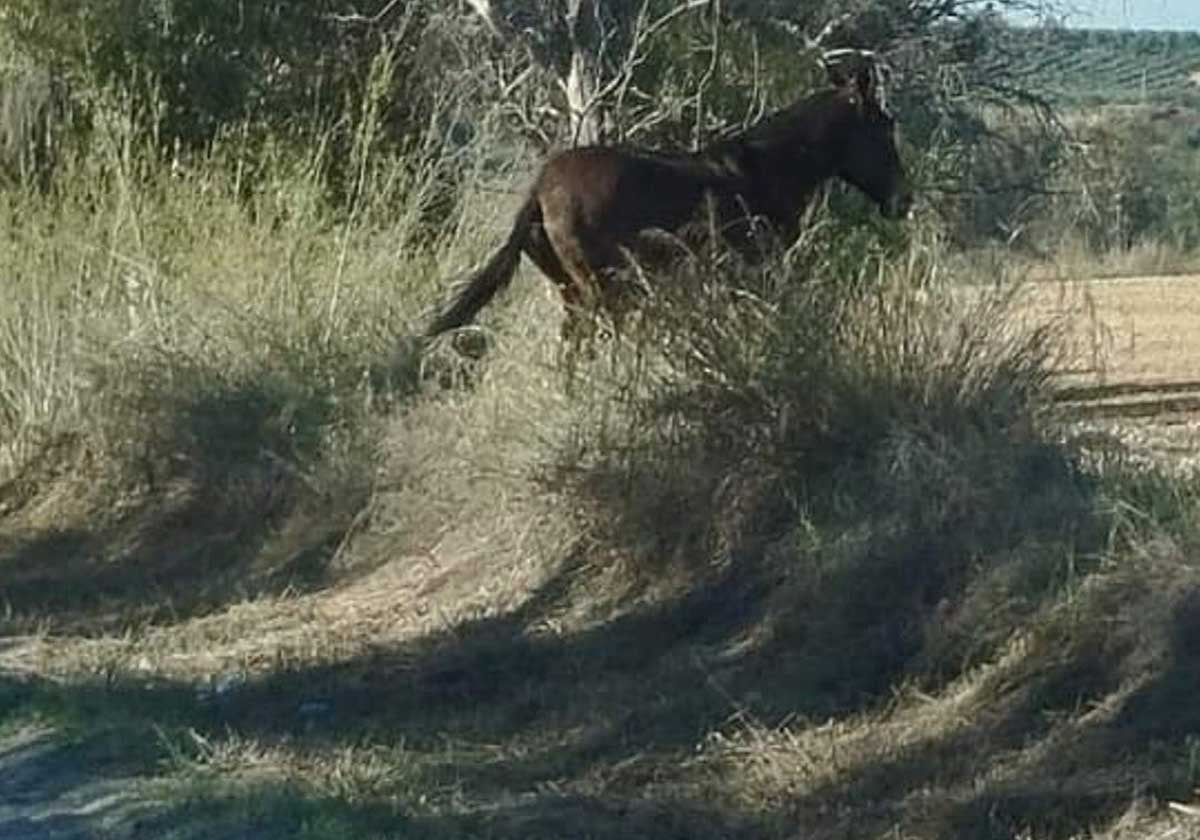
[[371, 20]]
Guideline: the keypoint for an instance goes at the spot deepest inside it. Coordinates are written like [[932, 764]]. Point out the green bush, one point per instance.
[[187, 72], [1136, 181]]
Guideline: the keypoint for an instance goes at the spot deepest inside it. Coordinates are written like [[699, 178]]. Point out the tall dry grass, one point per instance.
[[217, 340]]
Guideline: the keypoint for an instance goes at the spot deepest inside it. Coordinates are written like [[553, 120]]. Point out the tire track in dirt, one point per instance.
[[1166, 403], [1133, 346]]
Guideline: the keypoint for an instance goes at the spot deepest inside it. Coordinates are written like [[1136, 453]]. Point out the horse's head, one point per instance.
[[869, 159]]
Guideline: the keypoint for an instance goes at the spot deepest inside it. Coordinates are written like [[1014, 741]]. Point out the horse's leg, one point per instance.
[[582, 293], [622, 285], [541, 251], [608, 286], [580, 258]]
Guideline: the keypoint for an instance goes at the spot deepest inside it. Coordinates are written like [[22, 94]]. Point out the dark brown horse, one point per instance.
[[590, 207]]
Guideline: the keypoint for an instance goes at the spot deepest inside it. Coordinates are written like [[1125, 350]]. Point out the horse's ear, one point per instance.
[[865, 81], [838, 75]]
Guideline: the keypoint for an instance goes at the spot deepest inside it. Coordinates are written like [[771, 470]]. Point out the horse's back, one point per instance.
[[619, 191]]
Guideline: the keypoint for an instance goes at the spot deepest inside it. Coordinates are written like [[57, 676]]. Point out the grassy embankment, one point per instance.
[[812, 558]]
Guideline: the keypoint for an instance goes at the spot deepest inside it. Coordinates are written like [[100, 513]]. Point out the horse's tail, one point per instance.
[[484, 284]]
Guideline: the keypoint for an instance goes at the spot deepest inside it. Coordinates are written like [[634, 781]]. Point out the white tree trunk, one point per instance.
[[568, 46], [584, 112]]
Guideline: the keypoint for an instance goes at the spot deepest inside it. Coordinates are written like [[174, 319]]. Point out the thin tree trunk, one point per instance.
[[585, 114], [569, 46]]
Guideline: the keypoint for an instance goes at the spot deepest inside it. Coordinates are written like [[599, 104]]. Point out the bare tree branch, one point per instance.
[[371, 20]]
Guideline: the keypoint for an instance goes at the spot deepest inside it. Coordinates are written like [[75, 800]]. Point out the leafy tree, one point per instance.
[[194, 66], [563, 71], [677, 72]]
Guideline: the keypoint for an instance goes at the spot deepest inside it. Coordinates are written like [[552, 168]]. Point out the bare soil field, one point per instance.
[[1133, 364]]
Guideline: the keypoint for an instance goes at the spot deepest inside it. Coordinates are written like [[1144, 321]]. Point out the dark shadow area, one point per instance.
[[1131, 400], [1169, 706], [65, 789], [218, 497], [1044, 802], [569, 705], [443, 707], [1141, 749], [543, 816], [184, 553], [541, 734]]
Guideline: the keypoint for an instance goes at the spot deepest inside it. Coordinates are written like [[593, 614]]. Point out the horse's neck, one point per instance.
[[779, 180]]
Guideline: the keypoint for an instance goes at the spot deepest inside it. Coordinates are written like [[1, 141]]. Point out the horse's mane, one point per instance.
[[780, 126], [726, 156]]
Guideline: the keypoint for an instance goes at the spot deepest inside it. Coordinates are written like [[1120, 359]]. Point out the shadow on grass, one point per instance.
[[484, 729], [188, 526], [1141, 747], [491, 730], [183, 553], [211, 487], [52, 787], [503, 729], [279, 811]]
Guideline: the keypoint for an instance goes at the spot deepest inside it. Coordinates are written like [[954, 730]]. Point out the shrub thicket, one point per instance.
[[188, 73], [770, 408]]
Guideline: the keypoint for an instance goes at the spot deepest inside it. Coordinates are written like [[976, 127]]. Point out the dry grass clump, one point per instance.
[[195, 371], [850, 487], [830, 387]]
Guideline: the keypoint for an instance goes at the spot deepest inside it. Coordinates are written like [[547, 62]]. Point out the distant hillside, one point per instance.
[[1104, 66]]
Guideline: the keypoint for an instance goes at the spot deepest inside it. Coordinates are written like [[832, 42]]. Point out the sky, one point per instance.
[[1136, 14]]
